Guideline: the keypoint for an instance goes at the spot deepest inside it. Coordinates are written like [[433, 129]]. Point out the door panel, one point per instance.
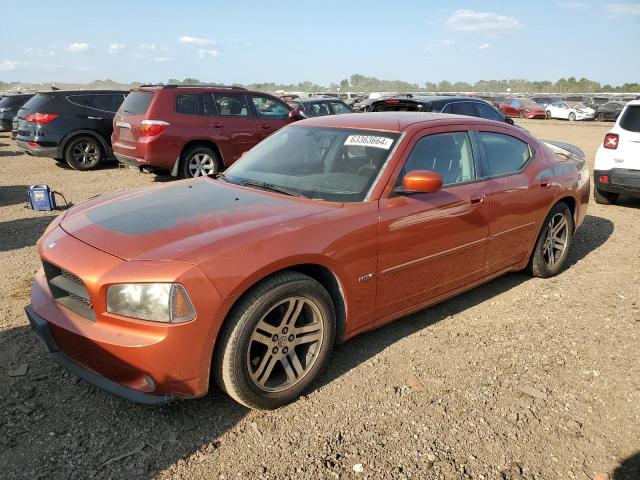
[[518, 200], [232, 126], [431, 243], [271, 114]]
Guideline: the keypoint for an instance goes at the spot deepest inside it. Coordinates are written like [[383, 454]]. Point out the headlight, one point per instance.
[[160, 302]]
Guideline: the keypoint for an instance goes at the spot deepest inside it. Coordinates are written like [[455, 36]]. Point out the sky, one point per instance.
[[322, 41]]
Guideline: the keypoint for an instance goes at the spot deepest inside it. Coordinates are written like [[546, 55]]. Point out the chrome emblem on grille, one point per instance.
[[52, 244]]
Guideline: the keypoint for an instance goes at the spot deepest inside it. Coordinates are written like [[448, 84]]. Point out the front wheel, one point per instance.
[[554, 241], [276, 341], [199, 161], [83, 153], [599, 117], [521, 114], [547, 115], [572, 117]]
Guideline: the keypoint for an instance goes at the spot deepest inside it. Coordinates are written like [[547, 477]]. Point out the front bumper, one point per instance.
[[621, 180], [152, 358], [41, 327], [530, 115], [50, 152]]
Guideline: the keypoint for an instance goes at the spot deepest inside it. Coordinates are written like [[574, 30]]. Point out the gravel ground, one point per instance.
[[521, 378]]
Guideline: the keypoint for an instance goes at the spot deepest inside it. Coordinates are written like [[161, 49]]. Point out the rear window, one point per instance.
[[630, 119], [38, 101], [136, 103], [12, 100], [397, 106]]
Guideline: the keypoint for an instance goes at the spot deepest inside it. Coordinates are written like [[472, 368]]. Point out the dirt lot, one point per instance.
[[518, 379]]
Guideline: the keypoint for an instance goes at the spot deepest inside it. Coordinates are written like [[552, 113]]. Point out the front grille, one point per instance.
[[68, 290]]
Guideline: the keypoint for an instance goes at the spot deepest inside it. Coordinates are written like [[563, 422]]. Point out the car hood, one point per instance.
[[182, 221], [535, 108]]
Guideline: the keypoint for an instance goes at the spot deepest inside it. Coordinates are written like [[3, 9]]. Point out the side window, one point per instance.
[[446, 109], [464, 108], [318, 109], [80, 100], [489, 113], [505, 154], [267, 107], [108, 102], [340, 108], [448, 154], [231, 105], [189, 104]]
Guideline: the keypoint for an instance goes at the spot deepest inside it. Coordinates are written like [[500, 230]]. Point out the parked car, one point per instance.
[[350, 97], [470, 106], [316, 107], [609, 111], [522, 108], [546, 101], [600, 100], [9, 107], [330, 227], [71, 126], [617, 163], [569, 111], [196, 130], [586, 100]]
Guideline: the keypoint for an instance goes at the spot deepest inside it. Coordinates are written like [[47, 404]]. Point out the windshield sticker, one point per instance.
[[369, 141]]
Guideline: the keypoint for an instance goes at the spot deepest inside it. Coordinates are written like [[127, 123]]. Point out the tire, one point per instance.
[[544, 261], [603, 197], [521, 114], [60, 160], [198, 161], [253, 363], [572, 117], [84, 153], [599, 117], [547, 115]]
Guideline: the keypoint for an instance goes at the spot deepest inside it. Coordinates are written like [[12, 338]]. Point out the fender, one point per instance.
[[105, 144], [176, 165]]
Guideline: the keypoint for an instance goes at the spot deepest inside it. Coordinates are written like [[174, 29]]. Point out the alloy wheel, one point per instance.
[[85, 153], [285, 344], [202, 164], [555, 242]]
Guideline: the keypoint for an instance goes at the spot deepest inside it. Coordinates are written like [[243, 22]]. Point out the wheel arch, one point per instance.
[[106, 146], [203, 142]]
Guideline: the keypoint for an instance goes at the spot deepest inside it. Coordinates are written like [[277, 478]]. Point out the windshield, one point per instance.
[[333, 164], [577, 105]]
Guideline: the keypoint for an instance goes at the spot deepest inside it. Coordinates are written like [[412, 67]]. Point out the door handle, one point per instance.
[[217, 125], [265, 127], [95, 118], [476, 199], [545, 183]]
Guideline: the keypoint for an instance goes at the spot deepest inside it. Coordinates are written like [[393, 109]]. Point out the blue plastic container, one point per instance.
[[41, 197]]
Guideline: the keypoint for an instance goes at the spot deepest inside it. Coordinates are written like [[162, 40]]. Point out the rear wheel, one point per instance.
[[599, 117], [199, 161], [547, 115], [276, 341], [572, 117], [521, 114], [554, 241], [84, 153], [603, 197]]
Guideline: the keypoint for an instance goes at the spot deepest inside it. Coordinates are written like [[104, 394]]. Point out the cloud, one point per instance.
[[574, 6], [484, 46], [198, 42], [163, 59], [77, 47], [41, 52], [207, 52], [445, 42], [623, 9], [117, 48], [8, 65], [148, 47], [482, 22]]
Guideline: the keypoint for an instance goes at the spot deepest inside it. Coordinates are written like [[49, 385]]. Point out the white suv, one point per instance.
[[617, 165]]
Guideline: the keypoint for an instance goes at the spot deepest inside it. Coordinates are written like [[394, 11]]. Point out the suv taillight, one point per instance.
[[151, 128], [41, 118], [611, 141]]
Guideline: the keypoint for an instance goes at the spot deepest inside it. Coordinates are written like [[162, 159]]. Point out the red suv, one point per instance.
[[194, 130]]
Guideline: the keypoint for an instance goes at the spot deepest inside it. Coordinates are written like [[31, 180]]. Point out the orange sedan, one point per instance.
[[330, 227]]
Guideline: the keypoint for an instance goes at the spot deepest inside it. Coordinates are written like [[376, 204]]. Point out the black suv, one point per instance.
[[9, 106], [469, 106], [71, 126]]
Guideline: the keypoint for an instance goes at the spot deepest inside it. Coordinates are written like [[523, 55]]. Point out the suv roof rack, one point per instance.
[[198, 85]]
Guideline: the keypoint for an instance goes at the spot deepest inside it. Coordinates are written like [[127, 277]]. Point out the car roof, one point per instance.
[[389, 121], [81, 92], [634, 102], [317, 99]]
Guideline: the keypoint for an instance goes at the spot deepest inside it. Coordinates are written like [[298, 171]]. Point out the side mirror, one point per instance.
[[296, 115], [509, 120], [420, 181]]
